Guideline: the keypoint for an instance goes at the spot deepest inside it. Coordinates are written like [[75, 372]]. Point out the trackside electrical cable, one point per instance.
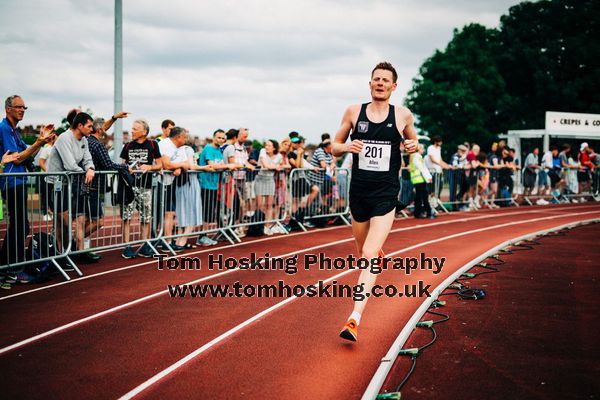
[[465, 293]]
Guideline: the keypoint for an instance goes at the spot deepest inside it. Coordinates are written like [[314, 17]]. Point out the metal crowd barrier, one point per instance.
[[461, 189], [567, 190], [435, 189], [66, 219], [36, 225], [204, 204], [454, 191], [317, 194], [112, 212], [259, 200]]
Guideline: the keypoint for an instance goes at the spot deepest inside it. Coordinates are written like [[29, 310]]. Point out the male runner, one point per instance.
[[377, 128]]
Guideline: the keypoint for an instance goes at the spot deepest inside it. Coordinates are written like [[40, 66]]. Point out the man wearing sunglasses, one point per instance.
[[14, 189]]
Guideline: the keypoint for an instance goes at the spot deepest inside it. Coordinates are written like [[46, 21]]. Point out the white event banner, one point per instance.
[[572, 123]]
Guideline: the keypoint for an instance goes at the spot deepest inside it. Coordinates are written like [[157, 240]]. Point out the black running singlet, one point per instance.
[[375, 170]]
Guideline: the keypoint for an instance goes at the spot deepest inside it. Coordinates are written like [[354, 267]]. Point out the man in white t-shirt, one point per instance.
[[166, 126], [530, 168], [241, 155], [168, 150], [231, 155], [435, 164], [240, 158], [543, 181], [228, 149]]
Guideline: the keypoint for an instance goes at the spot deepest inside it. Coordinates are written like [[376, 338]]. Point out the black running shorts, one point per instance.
[[363, 209]]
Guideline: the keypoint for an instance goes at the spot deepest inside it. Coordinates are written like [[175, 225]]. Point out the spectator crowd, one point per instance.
[[477, 179], [176, 187], [170, 185]]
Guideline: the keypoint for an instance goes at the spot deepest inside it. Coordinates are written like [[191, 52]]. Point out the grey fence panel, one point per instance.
[[317, 193], [34, 204], [204, 205], [261, 206]]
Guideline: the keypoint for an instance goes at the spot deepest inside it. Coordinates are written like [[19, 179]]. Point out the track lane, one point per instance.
[[138, 285], [114, 263], [321, 365]]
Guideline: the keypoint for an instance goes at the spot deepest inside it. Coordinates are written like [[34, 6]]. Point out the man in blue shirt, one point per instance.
[[209, 183], [13, 188], [212, 155]]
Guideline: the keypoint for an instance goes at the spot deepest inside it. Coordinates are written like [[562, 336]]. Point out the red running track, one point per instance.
[[292, 351], [534, 336]]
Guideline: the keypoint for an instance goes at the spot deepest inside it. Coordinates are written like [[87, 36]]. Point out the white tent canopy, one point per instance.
[[558, 125]]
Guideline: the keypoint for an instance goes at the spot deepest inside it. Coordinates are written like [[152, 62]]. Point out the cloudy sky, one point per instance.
[[272, 66]]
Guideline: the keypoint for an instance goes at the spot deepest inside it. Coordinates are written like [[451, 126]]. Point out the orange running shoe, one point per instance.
[[380, 257], [350, 331]]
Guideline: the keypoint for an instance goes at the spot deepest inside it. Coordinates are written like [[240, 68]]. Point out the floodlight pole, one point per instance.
[[118, 126]]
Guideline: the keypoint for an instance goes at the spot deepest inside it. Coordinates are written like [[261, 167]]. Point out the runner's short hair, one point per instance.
[[388, 67]]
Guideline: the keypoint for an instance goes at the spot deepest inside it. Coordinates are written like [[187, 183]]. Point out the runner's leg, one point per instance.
[[377, 233]]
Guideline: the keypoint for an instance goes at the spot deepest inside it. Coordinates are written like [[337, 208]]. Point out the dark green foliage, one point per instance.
[[543, 57]]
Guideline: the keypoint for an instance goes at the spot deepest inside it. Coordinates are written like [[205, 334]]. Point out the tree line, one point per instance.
[[544, 56]]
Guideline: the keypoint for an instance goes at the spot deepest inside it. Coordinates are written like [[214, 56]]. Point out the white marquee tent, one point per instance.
[[558, 125]]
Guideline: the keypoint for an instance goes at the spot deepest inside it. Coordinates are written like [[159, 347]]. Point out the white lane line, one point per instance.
[[228, 246], [206, 278], [140, 388]]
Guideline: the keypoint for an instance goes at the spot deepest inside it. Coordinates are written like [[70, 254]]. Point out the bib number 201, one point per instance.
[[373, 152], [375, 157]]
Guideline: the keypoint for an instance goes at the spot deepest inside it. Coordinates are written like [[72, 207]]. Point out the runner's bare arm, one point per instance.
[[410, 134], [339, 145]]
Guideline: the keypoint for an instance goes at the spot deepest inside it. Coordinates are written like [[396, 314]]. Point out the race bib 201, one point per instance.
[[375, 157]]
